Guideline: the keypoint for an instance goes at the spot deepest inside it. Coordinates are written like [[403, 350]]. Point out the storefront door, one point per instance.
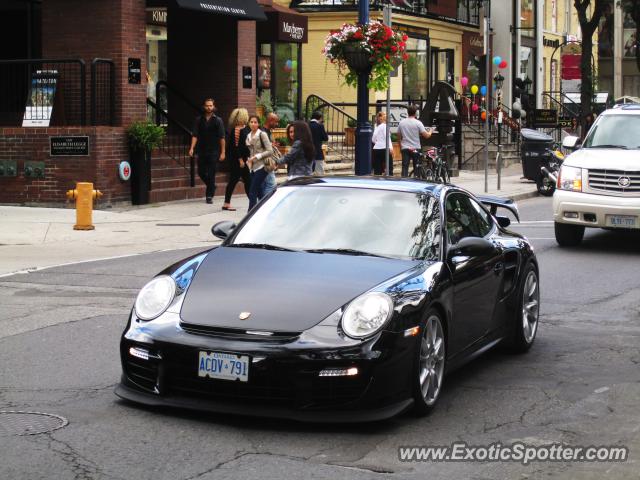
[[442, 65]]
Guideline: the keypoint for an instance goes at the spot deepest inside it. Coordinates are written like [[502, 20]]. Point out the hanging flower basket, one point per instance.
[[358, 48], [357, 58]]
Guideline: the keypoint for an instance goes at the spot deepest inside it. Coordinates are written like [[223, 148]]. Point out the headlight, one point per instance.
[[367, 314], [570, 178], [155, 297]]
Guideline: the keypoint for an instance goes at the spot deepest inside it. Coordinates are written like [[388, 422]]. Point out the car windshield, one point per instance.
[[349, 221], [615, 131]]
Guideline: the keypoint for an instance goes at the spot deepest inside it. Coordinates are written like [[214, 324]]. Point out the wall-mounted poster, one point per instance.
[[264, 72], [40, 101], [630, 44]]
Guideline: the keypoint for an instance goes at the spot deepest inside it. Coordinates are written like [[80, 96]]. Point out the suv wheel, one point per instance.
[[568, 235]]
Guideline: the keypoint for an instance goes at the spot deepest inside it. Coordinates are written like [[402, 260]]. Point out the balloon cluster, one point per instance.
[[290, 65], [499, 62]]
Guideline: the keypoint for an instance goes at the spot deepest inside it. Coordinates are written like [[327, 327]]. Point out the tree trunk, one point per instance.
[[586, 85]]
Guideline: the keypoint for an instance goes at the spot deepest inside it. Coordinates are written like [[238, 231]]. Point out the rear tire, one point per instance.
[[526, 312], [568, 235]]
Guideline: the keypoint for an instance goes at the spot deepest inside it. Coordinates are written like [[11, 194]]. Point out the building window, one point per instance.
[[527, 17], [415, 70], [285, 77]]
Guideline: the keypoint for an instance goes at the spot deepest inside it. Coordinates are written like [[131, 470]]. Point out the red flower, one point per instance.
[[401, 44], [405, 38], [358, 35], [405, 56], [394, 49], [386, 55]]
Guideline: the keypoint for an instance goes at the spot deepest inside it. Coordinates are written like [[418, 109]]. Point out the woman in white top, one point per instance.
[[380, 145], [259, 149]]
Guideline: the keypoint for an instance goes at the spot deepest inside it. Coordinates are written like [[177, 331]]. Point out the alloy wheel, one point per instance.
[[432, 355], [530, 306]]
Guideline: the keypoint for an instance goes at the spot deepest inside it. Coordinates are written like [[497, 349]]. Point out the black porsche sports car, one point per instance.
[[335, 299]]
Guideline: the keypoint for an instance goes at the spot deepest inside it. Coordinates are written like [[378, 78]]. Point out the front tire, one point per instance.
[[429, 366], [527, 312], [568, 235]]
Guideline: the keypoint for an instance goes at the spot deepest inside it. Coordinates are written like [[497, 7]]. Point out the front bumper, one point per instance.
[[284, 380], [592, 209]]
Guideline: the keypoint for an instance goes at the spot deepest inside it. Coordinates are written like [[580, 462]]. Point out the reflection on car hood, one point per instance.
[[283, 291], [605, 158]]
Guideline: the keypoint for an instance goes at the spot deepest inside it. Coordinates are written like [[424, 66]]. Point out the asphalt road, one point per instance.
[[580, 384]]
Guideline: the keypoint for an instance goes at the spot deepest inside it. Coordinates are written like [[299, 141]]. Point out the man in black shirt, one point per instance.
[[208, 142]]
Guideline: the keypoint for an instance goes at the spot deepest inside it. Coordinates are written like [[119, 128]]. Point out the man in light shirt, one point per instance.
[[409, 132]]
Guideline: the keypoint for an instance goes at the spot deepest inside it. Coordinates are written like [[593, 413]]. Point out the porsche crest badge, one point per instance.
[[244, 315]]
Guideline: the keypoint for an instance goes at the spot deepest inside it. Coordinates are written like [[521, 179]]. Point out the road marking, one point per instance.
[[39, 269]]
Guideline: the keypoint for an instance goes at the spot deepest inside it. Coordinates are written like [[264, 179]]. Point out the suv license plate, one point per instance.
[[622, 221], [223, 366]]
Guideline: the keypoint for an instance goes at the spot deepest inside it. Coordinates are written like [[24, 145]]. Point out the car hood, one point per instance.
[[605, 158], [283, 291]]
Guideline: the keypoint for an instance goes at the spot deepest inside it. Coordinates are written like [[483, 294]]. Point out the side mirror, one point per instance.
[[504, 222], [223, 229], [471, 247], [571, 143]]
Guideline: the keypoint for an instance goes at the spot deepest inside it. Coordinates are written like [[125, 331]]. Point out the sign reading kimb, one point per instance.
[[73, 146]]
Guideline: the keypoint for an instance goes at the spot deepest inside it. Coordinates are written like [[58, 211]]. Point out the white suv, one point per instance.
[[599, 184]]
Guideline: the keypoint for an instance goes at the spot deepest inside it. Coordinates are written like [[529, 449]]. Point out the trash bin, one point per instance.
[[533, 151]]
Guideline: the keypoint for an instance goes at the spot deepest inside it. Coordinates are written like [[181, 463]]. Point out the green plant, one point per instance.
[[384, 46], [284, 141], [351, 122], [394, 137], [264, 100], [145, 135], [283, 121]]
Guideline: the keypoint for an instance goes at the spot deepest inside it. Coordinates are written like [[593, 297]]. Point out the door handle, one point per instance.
[[497, 269]]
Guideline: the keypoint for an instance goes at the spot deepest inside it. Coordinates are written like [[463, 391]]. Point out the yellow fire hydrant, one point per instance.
[[84, 195]]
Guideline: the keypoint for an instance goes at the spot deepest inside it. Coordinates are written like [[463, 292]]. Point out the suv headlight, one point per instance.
[[367, 314], [570, 178], [155, 297]]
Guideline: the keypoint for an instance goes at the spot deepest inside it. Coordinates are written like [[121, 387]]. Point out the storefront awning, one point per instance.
[[241, 9]]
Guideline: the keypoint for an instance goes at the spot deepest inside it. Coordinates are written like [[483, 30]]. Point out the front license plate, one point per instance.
[[224, 366], [622, 221]]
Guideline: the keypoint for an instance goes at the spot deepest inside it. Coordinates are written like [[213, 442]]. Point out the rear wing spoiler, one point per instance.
[[498, 202]]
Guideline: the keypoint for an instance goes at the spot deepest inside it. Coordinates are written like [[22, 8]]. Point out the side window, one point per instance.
[[465, 218]]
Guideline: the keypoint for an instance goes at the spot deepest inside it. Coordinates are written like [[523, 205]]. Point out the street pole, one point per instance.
[[388, 22], [499, 156], [487, 42], [364, 131]]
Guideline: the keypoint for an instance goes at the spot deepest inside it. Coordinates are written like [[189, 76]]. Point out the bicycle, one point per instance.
[[433, 169], [440, 166]]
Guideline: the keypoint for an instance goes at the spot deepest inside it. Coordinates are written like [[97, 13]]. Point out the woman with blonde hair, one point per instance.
[[380, 145], [237, 154]]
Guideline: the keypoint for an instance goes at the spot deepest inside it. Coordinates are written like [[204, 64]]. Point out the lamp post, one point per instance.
[[364, 131], [499, 80], [486, 5]]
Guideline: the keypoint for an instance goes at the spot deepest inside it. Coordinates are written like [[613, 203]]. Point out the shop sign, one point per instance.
[[157, 16], [247, 77], [69, 146], [547, 42], [545, 118], [292, 28]]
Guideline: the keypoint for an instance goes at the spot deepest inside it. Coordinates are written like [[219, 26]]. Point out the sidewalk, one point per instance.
[[33, 238]]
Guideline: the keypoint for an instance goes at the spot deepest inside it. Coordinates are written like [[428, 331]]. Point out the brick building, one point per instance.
[[173, 53]]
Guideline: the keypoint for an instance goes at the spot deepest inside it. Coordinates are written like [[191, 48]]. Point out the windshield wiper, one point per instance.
[[606, 145], [344, 251], [263, 246]]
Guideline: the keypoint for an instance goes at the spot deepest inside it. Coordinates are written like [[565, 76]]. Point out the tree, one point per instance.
[[632, 7], [588, 27]]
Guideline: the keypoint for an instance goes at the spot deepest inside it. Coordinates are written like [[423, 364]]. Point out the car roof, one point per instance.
[[376, 183], [626, 109]]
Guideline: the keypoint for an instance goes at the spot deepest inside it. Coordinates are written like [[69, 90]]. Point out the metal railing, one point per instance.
[[176, 142], [103, 91], [340, 126], [41, 91], [164, 91]]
